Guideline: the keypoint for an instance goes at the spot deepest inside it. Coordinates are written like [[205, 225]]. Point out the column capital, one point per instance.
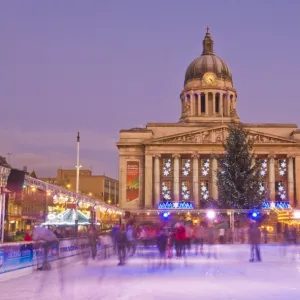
[[157, 155], [213, 156], [176, 155], [195, 155], [270, 156], [290, 156]]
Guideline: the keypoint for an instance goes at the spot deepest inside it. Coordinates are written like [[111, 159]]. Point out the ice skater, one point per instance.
[[121, 240], [254, 240], [161, 242], [47, 239]]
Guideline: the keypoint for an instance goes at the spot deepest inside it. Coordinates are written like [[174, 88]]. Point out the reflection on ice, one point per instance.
[[147, 276]]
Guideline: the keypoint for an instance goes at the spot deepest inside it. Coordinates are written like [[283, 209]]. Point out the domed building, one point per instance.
[[171, 165]]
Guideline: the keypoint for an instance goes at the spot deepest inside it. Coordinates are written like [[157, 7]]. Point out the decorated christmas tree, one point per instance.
[[238, 175]]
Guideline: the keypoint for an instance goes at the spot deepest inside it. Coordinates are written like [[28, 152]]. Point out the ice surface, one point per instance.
[[229, 277]]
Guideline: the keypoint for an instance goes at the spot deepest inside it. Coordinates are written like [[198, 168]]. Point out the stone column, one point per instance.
[[228, 105], [176, 191], [291, 179], [156, 180], [148, 180], [206, 104], [271, 177], [214, 104], [221, 104], [196, 179], [192, 103], [122, 182], [214, 187], [199, 104], [297, 181]]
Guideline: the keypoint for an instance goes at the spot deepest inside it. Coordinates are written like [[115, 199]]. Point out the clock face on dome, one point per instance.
[[209, 78]]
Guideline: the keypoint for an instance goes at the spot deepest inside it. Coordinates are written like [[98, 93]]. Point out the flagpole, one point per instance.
[[77, 184]]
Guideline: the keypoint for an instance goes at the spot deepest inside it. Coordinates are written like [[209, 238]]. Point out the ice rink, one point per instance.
[[229, 277]]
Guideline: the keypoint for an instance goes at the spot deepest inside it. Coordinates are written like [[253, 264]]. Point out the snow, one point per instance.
[[229, 277]]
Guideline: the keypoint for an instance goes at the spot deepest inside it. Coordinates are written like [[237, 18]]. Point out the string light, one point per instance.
[[55, 190]]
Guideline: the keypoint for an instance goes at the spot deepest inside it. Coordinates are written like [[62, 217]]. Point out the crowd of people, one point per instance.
[[177, 240]]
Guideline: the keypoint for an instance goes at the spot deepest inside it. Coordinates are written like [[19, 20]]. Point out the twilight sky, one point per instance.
[[100, 66]]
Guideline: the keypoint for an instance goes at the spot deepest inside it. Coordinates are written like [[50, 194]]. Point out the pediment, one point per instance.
[[217, 135]]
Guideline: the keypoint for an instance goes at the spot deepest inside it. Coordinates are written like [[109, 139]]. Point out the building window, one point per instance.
[[166, 188], [167, 167], [203, 103], [280, 191], [185, 190], [204, 167], [186, 167], [204, 190], [106, 183], [106, 196], [281, 167]]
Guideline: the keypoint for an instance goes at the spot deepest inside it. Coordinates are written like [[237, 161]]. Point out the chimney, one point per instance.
[[25, 169]]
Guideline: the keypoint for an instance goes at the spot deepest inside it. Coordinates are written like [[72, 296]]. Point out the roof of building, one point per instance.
[[207, 62]]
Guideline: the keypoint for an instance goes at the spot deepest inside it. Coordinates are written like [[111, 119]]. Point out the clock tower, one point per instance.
[[208, 94]]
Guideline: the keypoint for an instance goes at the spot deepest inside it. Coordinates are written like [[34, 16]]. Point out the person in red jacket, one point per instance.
[[28, 236], [180, 239]]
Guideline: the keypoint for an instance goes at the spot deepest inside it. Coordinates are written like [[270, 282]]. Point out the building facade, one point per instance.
[[97, 186], [174, 162]]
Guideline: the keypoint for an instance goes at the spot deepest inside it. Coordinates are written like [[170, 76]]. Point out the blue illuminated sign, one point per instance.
[[175, 205], [280, 204]]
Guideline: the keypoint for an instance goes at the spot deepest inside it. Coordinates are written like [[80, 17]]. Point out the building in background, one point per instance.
[[97, 186], [27, 208], [174, 164]]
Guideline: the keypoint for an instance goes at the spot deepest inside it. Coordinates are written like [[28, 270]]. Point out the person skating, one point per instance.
[[47, 239], [161, 242], [93, 239], [254, 240], [199, 238], [121, 240]]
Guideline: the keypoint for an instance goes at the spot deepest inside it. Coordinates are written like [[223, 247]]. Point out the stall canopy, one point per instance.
[[67, 218]]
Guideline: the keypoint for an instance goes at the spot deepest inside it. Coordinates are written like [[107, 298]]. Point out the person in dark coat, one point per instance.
[[161, 242], [121, 240], [254, 240], [93, 240]]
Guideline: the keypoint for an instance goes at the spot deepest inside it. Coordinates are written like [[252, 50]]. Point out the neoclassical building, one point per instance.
[[173, 162]]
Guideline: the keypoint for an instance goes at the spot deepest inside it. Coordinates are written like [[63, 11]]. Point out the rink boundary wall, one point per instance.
[[19, 259]]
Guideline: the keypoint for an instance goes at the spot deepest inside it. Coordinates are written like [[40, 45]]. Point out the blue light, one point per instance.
[[254, 215], [165, 215]]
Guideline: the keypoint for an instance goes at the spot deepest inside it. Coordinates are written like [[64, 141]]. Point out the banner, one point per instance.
[[132, 181], [15, 256]]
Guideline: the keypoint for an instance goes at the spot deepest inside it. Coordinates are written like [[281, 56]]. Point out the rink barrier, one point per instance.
[[17, 259]]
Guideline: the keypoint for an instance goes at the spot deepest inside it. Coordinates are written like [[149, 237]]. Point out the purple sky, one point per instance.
[[101, 66]]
